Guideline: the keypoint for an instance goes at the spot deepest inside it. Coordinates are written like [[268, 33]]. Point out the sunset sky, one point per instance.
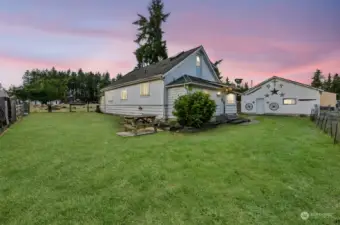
[[255, 38]]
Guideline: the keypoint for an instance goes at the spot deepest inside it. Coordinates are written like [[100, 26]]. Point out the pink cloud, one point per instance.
[[64, 27]]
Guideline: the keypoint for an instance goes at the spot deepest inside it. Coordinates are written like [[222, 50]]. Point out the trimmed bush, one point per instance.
[[194, 109]]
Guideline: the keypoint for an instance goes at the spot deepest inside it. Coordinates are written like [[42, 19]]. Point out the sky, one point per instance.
[[255, 38]]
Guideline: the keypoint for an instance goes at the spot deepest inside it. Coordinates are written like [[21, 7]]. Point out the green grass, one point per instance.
[[71, 168]]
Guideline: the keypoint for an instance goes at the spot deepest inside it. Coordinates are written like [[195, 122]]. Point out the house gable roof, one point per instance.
[[257, 87], [187, 79], [152, 70]]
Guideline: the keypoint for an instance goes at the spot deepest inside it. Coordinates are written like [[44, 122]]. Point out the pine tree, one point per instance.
[[335, 87], [119, 76], [316, 79], [327, 84], [227, 81], [246, 86], [217, 71], [152, 48]]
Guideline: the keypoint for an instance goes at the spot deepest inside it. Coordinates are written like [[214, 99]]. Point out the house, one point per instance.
[[154, 88], [278, 95]]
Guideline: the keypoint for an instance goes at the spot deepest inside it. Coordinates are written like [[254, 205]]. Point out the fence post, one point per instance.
[[336, 133], [318, 120], [331, 128], [325, 126], [88, 107]]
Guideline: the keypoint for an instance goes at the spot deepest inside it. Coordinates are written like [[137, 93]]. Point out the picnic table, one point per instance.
[[135, 122]]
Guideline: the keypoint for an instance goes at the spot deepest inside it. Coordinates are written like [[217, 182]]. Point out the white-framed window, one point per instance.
[[145, 89], [230, 99], [289, 101], [123, 95]]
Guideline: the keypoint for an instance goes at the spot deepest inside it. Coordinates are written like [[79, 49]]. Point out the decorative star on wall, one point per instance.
[[274, 91], [282, 94]]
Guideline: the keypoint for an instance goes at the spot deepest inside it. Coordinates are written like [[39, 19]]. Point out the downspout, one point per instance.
[[165, 101]]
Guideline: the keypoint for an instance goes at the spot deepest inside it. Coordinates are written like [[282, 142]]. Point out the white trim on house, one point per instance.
[[206, 59], [210, 66], [197, 84]]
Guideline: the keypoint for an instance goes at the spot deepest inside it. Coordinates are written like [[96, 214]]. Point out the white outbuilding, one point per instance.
[[281, 96]]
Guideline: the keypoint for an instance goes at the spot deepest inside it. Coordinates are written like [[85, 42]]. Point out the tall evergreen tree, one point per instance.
[[327, 84], [152, 48], [317, 79], [335, 87]]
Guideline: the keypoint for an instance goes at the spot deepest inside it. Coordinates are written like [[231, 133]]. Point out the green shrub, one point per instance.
[[194, 109]]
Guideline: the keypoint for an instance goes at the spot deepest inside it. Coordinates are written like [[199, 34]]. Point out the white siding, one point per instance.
[[152, 104], [188, 67], [213, 96], [173, 94], [290, 90]]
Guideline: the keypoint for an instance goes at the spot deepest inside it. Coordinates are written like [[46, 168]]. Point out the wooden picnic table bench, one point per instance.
[[135, 122]]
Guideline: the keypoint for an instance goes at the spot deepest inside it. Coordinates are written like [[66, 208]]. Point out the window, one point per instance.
[[289, 101], [198, 60], [198, 66], [145, 89], [123, 95], [230, 99]]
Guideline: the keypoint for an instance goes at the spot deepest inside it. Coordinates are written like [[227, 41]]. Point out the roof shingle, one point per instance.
[[154, 69]]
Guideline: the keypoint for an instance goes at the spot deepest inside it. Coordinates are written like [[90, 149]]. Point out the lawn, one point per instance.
[[71, 168]]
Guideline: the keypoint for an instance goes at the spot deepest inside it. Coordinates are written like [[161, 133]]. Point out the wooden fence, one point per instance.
[[91, 107], [328, 121], [11, 114]]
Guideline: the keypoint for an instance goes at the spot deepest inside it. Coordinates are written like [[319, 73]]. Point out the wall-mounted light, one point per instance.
[[218, 93]]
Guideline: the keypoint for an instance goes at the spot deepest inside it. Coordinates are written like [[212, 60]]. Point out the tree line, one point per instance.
[[330, 84], [50, 84]]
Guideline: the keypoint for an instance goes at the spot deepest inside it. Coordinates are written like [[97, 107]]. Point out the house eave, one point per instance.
[[112, 87], [197, 84]]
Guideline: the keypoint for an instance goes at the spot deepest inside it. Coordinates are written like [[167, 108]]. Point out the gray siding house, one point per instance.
[[154, 88]]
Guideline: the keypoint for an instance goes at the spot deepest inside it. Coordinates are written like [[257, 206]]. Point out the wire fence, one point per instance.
[[328, 121]]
